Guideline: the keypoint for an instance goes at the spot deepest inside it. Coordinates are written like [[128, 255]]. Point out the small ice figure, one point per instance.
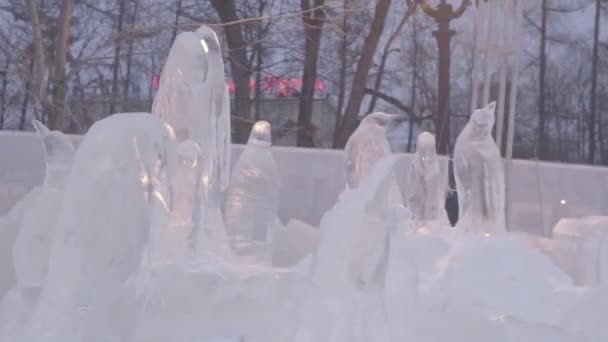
[[366, 146], [33, 242], [426, 185], [58, 152], [124, 165], [250, 206], [479, 174], [193, 98]]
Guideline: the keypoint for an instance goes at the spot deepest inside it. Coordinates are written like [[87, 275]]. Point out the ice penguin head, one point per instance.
[[261, 135], [193, 58], [426, 154], [59, 153], [482, 121], [366, 146]]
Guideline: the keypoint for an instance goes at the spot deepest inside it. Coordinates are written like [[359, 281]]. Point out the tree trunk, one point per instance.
[[127, 81], [178, 12], [414, 85], [61, 53], [313, 19], [39, 68], [237, 53], [386, 52], [117, 51], [542, 136], [342, 76], [26, 98], [4, 75], [594, 67], [349, 122]]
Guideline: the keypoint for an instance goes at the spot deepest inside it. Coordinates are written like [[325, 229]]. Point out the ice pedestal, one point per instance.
[[228, 299], [583, 249]]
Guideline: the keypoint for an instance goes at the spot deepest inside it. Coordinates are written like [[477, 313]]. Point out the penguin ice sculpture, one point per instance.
[[193, 98], [366, 146], [479, 174], [123, 166], [250, 208], [426, 186]]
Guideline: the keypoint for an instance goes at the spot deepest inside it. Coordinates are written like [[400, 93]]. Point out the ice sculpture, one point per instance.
[[59, 152], [34, 225], [345, 302], [366, 146], [426, 185], [193, 98], [123, 166], [250, 207], [33, 243], [479, 174]]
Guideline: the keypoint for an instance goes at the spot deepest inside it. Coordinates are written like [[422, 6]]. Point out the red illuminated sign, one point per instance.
[[283, 87]]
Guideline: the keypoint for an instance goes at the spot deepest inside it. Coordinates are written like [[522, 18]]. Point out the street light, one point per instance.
[[443, 13]]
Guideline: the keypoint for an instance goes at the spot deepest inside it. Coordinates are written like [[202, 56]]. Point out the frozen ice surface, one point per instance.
[[366, 146], [123, 165], [252, 198], [479, 174], [583, 243], [426, 188], [293, 243], [345, 301], [193, 98]]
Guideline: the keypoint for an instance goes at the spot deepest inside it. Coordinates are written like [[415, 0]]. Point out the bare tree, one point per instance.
[[313, 17], [237, 52], [594, 68], [59, 77], [349, 122], [39, 69]]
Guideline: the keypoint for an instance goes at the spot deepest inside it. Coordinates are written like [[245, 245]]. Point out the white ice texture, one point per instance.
[[252, 198], [426, 187], [32, 245], [345, 301], [193, 98], [366, 146], [122, 167], [479, 174]]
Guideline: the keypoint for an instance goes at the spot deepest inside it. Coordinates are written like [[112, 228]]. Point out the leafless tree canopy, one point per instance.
[[70, 63]]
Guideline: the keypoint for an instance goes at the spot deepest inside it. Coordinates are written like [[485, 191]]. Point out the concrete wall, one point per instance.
[[312, 179]]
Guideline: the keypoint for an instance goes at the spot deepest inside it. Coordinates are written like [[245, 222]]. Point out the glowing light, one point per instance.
[[170, 130], [144, 179], [161, 200], [205, 46], [487, 235], [563, 202]]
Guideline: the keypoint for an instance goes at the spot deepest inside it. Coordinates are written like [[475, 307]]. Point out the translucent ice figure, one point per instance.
[[345, 302], [193, 98], [479, 173], [366, 146], [250, 207], [122, 167], [33, 243], [35, 226], [59, 153], [426, 185]]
